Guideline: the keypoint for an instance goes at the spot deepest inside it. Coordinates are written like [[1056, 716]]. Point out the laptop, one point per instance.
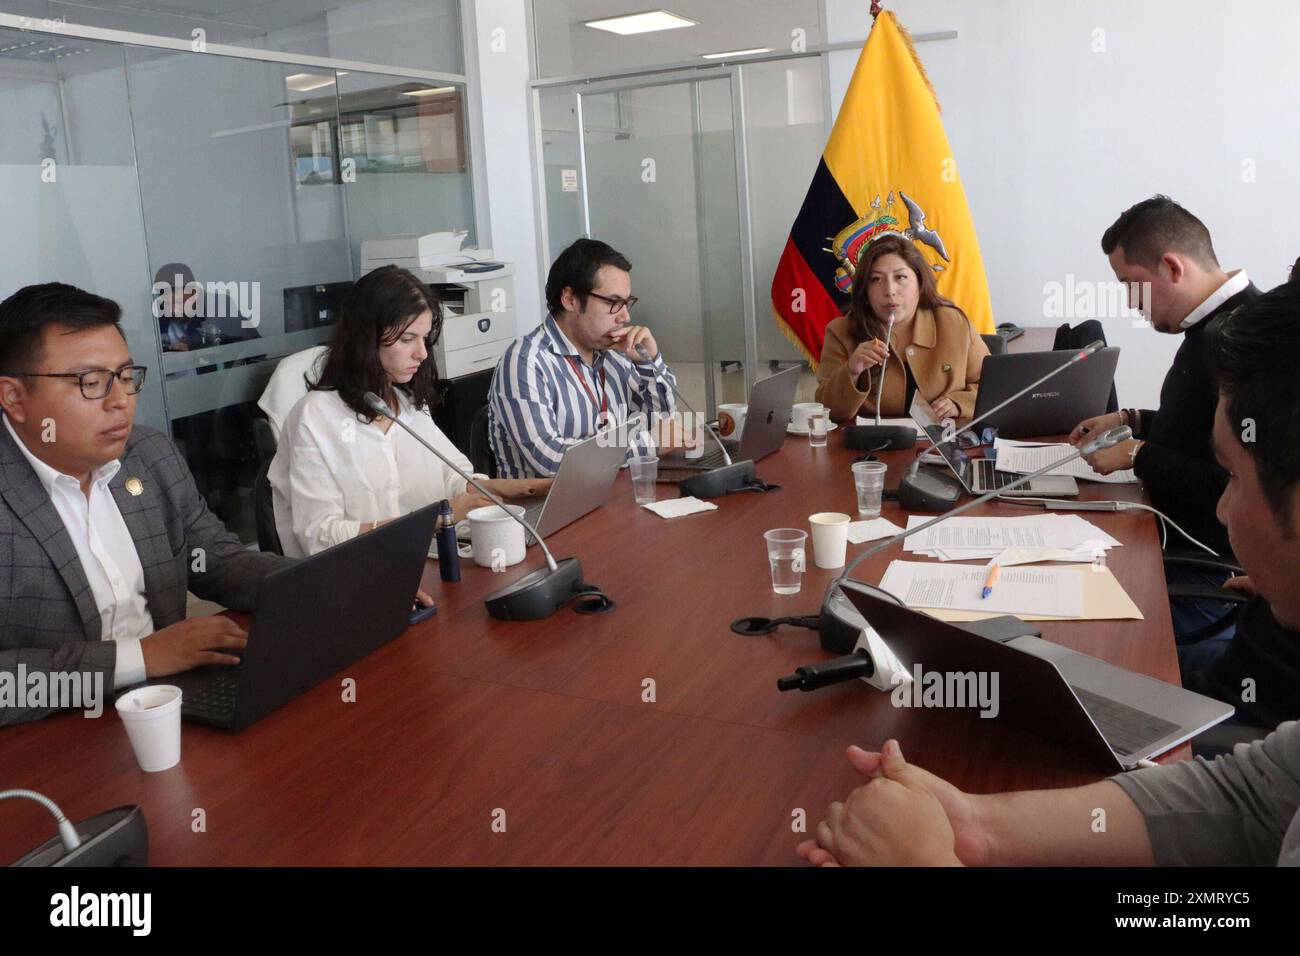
[[766, 420], [584, 480], [1056, 406], [1110, 714], [312, 619], [979, 476]]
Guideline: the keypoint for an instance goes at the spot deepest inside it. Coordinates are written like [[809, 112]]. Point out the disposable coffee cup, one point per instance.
[[152, 716], [830, 535]]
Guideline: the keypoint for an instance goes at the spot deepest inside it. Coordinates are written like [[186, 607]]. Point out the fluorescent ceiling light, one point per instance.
[[306, 82], [642, 23], [429, 91], [719, 56]]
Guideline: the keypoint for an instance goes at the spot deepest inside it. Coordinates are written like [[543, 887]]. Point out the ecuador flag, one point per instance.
[[887, 166]]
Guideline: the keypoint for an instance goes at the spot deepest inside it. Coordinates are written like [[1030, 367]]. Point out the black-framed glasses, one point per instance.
[[616, 305], [95, 383]]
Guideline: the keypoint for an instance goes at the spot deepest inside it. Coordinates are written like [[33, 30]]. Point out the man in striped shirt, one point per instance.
[[579, 370]]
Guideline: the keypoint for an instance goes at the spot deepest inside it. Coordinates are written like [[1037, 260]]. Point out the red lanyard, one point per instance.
[[604, 399]]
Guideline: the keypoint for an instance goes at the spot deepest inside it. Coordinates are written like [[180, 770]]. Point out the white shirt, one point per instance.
[[108, 558], [1236, 282], [332, 472]]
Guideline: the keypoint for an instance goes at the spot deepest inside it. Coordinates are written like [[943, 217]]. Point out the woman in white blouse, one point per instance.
[[339, 470]]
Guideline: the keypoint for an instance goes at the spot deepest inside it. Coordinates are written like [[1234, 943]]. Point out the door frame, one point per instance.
[[692, 79]]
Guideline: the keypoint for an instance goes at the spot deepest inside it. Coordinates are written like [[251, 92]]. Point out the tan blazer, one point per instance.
[[941, 347]]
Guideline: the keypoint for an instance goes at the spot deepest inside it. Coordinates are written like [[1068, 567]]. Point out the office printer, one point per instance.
[[477, 293], [436, 257]]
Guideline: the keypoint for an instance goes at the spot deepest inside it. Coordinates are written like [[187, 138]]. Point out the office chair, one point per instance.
[[996, 343], [264, 442], [1083, 334], [1221, 738], [1201, 560], [480, 448], [268, 539]]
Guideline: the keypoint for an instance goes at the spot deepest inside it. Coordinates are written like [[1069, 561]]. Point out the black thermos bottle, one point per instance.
[[448, 552]]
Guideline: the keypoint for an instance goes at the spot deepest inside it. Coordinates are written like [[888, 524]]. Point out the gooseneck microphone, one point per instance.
[[717, 481], [880, 385], [839, 624], [539, 593], [880, 437]]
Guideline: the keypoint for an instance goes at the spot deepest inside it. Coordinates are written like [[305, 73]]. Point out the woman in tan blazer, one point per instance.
[[932, 338]]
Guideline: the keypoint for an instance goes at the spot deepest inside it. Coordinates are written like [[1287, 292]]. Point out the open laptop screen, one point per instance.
[[957, 459]]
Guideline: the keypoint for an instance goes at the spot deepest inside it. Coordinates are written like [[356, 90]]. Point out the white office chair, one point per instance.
[[287, 386]]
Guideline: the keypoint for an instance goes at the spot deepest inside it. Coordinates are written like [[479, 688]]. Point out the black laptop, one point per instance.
[[311, 620], [1056, 406]]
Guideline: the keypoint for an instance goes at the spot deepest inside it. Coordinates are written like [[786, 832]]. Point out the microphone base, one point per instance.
[[879, 437], [928, 490], [118, 837], [538, 594], [719, 481]]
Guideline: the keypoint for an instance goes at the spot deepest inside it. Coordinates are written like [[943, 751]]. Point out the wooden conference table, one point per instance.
[[464, 717]]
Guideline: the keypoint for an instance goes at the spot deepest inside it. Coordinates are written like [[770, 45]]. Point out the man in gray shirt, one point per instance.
[[1235, 810]]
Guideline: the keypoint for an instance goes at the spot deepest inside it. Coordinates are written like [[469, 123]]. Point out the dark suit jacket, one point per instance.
[[48, 618]]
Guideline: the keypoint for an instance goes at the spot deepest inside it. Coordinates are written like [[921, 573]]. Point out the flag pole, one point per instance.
[[876, 9]]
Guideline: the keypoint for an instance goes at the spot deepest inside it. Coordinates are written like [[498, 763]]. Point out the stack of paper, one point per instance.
[[1023, 457], [1023, 540], [1057, 592]]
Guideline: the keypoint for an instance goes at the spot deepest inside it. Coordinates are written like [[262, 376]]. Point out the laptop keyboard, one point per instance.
[[988, 477], [1125, 728], [213, 697]]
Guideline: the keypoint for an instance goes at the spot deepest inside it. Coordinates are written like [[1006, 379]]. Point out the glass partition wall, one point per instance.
[[137, 170], [696, 176]]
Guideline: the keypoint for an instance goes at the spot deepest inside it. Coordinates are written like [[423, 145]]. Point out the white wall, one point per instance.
[[500, 60], [1054, 140]]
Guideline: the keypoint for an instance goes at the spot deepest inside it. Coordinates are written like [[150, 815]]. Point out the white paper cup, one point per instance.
[[800, 413], [152, 716], [731, 420], [830, 535], [497, 540]]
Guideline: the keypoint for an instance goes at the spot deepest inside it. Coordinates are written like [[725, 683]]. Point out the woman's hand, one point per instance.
[[867, 355], [945, 408]]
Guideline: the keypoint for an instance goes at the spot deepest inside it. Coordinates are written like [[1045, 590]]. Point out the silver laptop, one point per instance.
[[1111, 714], [766, 420], [1058, 404], [979, 476], [584, 481]]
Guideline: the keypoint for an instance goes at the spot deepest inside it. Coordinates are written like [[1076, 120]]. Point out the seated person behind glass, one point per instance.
[[189, 317]]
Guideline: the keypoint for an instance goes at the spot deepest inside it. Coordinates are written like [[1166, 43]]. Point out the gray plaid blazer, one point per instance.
[[48, 618]]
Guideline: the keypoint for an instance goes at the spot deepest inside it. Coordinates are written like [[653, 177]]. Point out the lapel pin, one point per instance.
[[135, 487], [947, 367]]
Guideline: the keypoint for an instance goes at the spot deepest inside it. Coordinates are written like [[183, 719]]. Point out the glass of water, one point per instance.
[[645, 472], [869, 479], [817, 425], [786, 555]]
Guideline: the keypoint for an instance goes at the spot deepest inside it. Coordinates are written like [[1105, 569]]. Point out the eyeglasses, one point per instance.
[[96, 383], [616, 305]]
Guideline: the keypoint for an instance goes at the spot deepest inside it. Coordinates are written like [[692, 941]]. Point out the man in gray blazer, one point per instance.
[[102, 530]]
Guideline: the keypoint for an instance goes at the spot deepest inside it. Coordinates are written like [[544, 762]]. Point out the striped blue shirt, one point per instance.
[[537, 406]]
